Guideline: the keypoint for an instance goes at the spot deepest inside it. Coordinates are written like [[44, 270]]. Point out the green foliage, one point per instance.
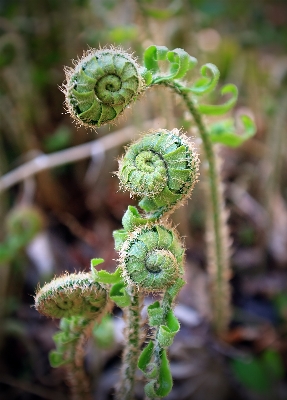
[[261, 373], [221, 108], [161, 169], [224, 132], [22, 224], [152, 258], [161, 386], [61, 139], [180, 63], [71, 330], [121, 34], [103, 332], [119, 295]]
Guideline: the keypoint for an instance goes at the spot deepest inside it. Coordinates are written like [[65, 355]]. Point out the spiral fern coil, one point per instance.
[[162, 167], [152, 258], [72, 295], [101, 86]]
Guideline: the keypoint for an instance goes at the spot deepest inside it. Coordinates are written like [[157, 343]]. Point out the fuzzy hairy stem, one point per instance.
[[132, 346], [220, 243], [166, 306], [76, 376]]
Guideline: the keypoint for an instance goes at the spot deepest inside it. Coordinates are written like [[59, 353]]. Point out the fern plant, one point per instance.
[[161, 169]]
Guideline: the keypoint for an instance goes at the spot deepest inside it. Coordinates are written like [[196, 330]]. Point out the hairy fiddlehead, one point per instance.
[[162, 168], [225, 133], [151, 258], [69, 295], [80, 101], [79, 301], [102, 84]]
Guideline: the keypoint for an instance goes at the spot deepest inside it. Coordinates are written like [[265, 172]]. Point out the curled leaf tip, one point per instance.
[[102, 84], [162, 168], [152, 258], [71, 295]]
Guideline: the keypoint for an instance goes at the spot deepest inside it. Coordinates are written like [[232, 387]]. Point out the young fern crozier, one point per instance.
[[102, 84], [79, 301], [162, 168]]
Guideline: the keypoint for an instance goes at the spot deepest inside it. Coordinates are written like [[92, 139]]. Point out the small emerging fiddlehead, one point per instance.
[[70, 295], [79, 301], [162, 167], [103, 83], [152, 258]]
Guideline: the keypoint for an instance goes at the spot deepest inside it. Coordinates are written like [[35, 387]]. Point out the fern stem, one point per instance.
[[220, 243], [76, 376], [132, 346]]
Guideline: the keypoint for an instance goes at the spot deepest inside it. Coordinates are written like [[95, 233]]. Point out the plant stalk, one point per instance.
[[132, 349], [76, 375], [220, 242]]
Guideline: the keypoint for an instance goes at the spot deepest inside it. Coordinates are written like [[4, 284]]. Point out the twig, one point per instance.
[[45, 162]]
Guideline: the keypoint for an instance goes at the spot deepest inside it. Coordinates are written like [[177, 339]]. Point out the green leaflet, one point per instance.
[[224, 132], [120, 236], [221, 108], [132, 219], [160, 375], [163, 384], [207, 83], [96, 261], [173, 290], [167, 332], [119, 295], [66, 340], [180, 62], [152, 55], [106, 277], [146, 356], [56, 359], [146, 75], [155, 314]]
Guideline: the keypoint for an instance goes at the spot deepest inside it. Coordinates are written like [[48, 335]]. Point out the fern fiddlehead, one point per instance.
[[150, 75], [225, 133], [151, 258], [102, 84], [79, 301], [71, 294], [162, 168]]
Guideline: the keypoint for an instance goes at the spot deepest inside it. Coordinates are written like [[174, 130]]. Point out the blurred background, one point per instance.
[[60, 218]]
